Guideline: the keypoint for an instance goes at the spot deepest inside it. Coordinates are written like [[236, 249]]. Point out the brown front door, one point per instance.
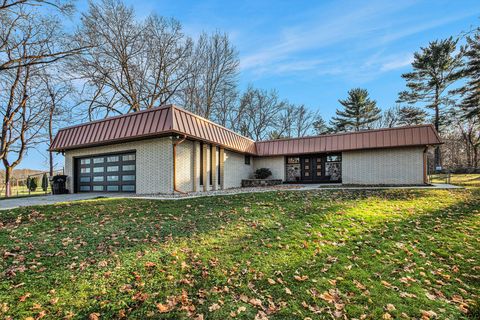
[[312, 168]]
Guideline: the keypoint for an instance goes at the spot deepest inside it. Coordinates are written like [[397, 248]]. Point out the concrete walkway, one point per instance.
[[8, 204], [13, 203]]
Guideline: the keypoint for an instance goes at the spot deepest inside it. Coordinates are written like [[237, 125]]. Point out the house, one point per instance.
[[169, 149]]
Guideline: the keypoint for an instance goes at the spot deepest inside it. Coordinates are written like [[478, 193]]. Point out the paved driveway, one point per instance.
[[52, 199]]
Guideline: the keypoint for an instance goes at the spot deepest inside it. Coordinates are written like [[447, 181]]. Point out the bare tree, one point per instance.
[[55, 94], [22, 118], [260, 113], [295, 121], [304, 121], [130, 65], [210, 91], [16, 17], [30, 40]]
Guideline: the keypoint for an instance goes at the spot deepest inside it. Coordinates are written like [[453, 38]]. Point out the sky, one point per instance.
[[313, 52]]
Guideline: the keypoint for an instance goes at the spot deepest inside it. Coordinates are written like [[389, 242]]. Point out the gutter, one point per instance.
[[175, 144]]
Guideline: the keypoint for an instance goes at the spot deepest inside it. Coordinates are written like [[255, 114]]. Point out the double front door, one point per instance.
[[312, 168]]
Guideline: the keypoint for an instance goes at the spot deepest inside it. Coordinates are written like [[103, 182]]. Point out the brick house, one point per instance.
[[169, 149]]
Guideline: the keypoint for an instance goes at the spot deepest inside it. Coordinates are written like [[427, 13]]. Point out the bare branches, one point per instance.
[[130, 65]]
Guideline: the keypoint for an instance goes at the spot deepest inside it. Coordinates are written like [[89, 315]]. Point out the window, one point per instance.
[[98, 169], [85, 170], [113, 159], [212, 150], [293, 160], [84, 188], [334, 158], [128, 157], [112, 168], [128, 167], [128, 178], [85, 161], [247, 159], [112, 178], [84, 179], [97, 188], [98, 160], [218, 167], [128, 188], [98, 179], [112, 188], [201, 163]]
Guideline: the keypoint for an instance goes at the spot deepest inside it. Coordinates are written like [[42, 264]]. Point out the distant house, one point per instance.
[[169, 149]]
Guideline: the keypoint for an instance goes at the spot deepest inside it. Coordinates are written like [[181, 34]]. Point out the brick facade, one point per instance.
[[275, 164], [383, 166], [154, 162], [154, 165], [236, 169]]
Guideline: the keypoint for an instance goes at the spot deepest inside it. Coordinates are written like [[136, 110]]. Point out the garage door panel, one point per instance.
[[106, 173]]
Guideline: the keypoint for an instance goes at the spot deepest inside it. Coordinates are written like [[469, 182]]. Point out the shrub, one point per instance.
[[263, 173], [45, 182], [33, 184]]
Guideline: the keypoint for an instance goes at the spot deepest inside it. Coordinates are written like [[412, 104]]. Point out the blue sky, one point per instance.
[[313, 52]]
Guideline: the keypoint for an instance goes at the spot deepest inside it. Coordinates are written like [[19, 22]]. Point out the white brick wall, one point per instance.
[[275, 164], [184, 166], [153, 163], [236, 169], [383, 166]]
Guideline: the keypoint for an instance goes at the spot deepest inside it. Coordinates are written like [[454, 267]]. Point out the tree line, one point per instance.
[[114, 62]]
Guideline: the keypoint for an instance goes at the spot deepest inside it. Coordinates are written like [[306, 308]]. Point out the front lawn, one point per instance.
[[279, 255]]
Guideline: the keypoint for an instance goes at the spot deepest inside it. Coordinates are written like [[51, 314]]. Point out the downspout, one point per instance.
[[175, 143]]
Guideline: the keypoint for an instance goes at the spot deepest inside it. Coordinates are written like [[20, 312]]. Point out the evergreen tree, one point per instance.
[[359, 112], [45, 182], [320, 126], [471, 90], [408, 116], [435, 68]]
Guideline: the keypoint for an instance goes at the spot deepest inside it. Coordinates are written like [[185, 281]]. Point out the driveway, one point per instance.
[[7, 204]]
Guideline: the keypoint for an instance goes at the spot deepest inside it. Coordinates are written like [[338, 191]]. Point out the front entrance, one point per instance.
[[314, 168]]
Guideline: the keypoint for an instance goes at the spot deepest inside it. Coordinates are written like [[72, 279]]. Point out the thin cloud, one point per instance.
[[363, 30]]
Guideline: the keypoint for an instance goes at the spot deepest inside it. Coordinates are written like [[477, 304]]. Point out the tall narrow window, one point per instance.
[[218, 165], [201, 163], [212, 150], [247, 159]]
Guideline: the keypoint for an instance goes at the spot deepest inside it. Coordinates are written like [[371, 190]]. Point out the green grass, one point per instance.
[[22, 191], [279, 255], [466, 180]]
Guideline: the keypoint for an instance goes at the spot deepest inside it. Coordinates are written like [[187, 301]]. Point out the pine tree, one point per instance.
[[320, 126], [435, 68], [408, 116], [471, 90], [359, 112]]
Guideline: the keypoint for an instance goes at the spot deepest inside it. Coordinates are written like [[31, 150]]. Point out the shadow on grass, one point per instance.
[[323, 229]]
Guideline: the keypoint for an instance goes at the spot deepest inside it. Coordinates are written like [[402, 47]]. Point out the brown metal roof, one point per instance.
[[171, 119], [150, 123], [421, 135]]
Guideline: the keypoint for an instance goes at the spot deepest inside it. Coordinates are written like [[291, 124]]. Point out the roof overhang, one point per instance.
[[171, 120]]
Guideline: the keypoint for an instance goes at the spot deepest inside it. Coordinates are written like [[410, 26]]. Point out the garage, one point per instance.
[[106, 173]]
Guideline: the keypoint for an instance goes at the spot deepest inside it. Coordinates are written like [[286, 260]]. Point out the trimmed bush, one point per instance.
[[32, 184], [263, 173], [45, 182]]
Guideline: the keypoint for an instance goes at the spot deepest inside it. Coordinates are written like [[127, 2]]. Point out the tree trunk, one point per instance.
[[50, 136], [8, 176]]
